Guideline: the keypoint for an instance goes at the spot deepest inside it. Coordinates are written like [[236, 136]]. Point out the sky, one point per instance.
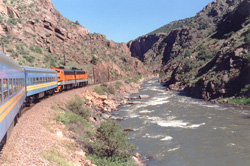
[[125, 20]]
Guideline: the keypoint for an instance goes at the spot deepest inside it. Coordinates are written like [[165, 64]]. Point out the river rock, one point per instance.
[[144, 96], [128, 130], [137, 159], [105, 115], [119, 119]]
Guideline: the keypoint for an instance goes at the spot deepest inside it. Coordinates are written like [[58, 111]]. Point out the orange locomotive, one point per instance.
[[68, 79]]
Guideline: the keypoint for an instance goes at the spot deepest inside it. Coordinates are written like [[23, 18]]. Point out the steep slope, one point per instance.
[[35, 34], [206, 54]]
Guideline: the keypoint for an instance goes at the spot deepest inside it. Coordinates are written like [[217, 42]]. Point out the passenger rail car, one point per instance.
[[39, 82], [12, 94]]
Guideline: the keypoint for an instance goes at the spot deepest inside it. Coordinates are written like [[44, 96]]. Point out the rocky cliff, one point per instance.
[[208, 54], [34, 33]]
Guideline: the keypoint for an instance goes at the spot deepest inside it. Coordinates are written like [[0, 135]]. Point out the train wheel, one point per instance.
[[15, 120], [3, 142]]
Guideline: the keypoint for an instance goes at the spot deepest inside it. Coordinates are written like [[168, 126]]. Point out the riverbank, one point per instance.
[[40, 138], [242, 101]]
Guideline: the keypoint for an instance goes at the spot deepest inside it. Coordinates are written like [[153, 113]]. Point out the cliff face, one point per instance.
[[208, 54], [35, 34]]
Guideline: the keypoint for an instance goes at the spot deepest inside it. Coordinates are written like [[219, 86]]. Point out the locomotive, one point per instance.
[[20, 85]]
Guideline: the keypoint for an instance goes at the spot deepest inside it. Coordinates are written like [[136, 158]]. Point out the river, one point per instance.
[[171, 129]]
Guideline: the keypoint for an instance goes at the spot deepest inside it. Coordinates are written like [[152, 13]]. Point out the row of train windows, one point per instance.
[[37, 80], [10, 87]]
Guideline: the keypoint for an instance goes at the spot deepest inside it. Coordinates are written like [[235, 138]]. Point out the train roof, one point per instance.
[[9, 62], [38, 70]]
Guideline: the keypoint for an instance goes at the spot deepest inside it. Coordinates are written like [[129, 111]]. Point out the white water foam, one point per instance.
[[152, 81], [163, 138], [174, 149], [152, 136], [146, 111], [167, 138], [158, 101], [171, 122], [132, 115]]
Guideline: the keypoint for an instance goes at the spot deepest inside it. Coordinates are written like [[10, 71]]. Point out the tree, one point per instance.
[[77, 23]]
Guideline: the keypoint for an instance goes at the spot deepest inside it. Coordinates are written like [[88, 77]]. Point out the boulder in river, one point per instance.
[[128, 130]]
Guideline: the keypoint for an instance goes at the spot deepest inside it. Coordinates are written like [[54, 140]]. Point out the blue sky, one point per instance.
[[125, 20]]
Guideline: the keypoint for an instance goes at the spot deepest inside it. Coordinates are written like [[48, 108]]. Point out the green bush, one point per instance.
[[245, 89], [77, 22], [76, 105], [135, 79], [50, 59], [21, 49], [118, 85], [36, 49], [227, 35], [247, 36], [106, 161], [203, 53], [75, 123], [101, 90], [237, 101], [111, 142], [30, 58], [94, 60], [247, 56], [187, 53]]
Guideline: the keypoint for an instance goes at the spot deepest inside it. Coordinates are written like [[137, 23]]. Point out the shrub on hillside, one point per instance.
[[135, 79], [111, 142], [101, 90], [247, 37], [76, 105], [118, 85], [94, 60]]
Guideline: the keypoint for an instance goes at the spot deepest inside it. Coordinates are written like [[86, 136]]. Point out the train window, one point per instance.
[[0, 91], [47, 79], [14, 85], [5, 89], [34, 81], [22, 82], [37, 80], [28, 81], [17, 84], [44, 80], [10, 87]]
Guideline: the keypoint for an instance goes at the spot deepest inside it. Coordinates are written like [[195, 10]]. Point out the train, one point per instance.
[[20, 85]]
